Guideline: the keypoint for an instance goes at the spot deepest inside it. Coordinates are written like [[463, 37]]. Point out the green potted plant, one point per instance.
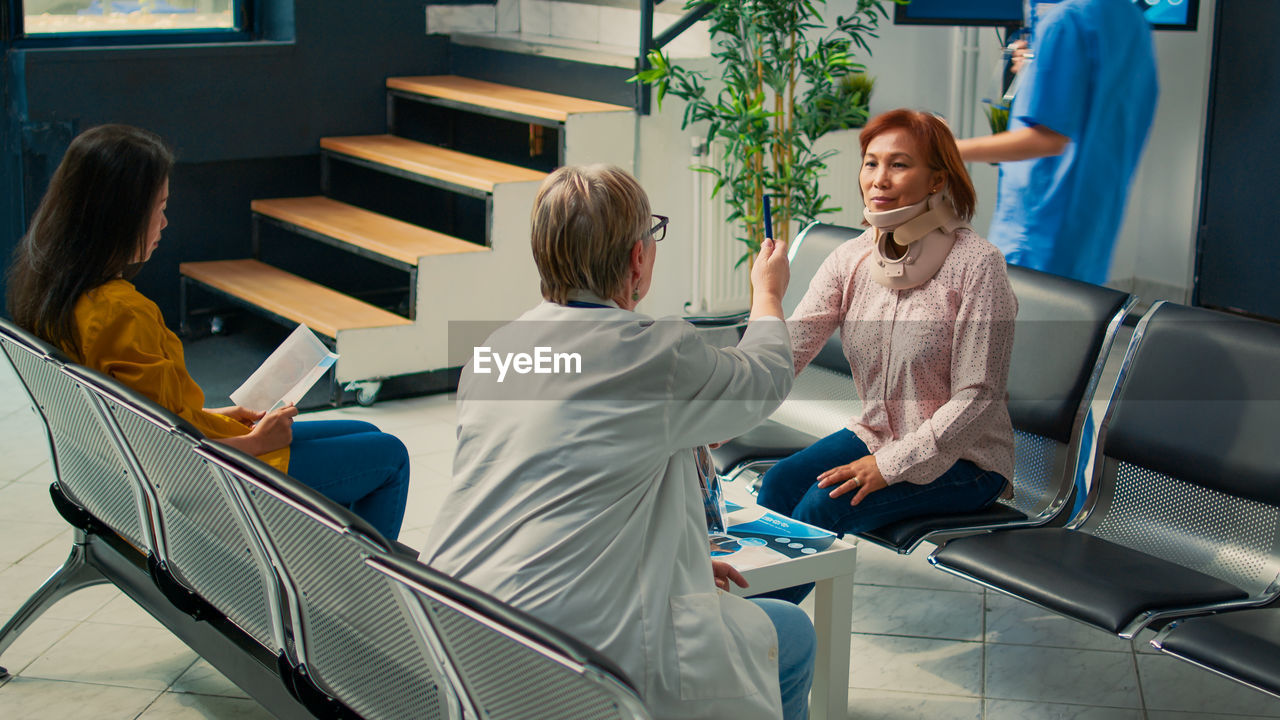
[[858, 86], [783, 73], [997, 115]]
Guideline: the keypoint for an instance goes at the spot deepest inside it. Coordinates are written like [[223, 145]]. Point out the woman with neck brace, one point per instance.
[[925, 314]]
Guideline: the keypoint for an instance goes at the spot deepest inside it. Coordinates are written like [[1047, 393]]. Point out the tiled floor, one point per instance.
[[925, 645]]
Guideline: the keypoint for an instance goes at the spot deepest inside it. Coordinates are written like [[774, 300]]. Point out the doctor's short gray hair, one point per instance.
[[585, 222]]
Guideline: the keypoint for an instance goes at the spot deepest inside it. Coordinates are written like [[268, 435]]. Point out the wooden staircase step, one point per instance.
[[502, 98], [449, 167], [322, 309], [360, 228]]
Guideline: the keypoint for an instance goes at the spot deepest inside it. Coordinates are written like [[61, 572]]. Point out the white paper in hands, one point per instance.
[[287, 374]]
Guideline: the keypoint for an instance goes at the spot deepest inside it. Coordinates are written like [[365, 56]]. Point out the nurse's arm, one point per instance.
[[1025, 143]]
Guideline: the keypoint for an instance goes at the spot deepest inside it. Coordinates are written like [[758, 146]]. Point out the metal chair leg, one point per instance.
[[75, 574], [755, 466]]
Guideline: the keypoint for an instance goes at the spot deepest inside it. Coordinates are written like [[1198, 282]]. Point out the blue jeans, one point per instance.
[[797, 645], [357, 466], [791, 488]]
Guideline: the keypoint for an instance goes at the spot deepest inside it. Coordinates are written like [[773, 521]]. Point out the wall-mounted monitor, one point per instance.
[[1170, 14], [1007, 13], [1162, 14]]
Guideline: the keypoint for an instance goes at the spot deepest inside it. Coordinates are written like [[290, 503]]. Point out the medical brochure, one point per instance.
[[713, 501], [757, 537], [287, 374]]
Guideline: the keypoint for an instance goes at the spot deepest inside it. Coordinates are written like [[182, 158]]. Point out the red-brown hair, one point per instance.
[[937, 143]]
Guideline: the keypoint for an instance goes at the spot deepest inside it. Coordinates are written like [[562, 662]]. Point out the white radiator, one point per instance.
[[718, 286]]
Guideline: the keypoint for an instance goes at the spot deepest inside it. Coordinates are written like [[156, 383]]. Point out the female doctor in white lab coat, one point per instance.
[[576, 496]]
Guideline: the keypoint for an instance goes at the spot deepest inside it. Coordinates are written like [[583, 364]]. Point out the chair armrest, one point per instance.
[[719, 320], [402, 550]]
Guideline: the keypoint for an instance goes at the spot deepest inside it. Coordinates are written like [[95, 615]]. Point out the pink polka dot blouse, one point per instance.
[[930, 363]]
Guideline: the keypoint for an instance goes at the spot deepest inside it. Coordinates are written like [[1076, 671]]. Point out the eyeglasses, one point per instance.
[[659, 231]]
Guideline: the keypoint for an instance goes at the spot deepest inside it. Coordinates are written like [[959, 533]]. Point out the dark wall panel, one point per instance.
[[1239, 262], [209, 217], [245, 119], [232, 101], [11, 211]]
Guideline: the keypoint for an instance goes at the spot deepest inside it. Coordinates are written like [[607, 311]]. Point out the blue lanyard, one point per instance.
[[581, 304]]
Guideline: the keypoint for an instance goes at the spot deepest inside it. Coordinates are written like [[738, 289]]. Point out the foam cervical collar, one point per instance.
[[926, 229]]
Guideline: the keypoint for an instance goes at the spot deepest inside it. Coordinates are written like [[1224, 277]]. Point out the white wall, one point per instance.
[[1156, 249], [663, 158], [913, 68]]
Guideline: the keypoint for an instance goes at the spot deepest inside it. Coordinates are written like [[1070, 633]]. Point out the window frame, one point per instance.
[[14, 15]]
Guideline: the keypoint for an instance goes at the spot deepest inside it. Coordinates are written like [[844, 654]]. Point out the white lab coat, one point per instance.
[[576, 498]]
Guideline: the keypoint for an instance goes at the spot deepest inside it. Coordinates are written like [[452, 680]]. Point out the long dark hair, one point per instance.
[[89, 228]]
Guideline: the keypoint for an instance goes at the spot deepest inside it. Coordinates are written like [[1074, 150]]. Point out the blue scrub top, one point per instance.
[[1093, 79]]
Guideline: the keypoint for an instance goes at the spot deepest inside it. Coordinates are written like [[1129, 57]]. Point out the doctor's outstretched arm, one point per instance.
[[770, 274]]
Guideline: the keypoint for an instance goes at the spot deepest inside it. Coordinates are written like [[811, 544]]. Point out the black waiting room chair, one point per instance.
[[376, 635], [205, 557], [295, 599], [508, 664], [350, 652], [1242, 645], [90, 471], [94, 487], [122, 466], [1064, 331], [1183, 511]]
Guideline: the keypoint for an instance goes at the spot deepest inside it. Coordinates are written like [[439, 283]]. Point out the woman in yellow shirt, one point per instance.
[[99, 221]]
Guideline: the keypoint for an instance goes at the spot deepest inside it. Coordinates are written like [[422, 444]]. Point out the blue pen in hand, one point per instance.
[[768, 220]]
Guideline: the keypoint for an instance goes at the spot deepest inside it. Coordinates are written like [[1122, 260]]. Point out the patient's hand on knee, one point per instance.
[[862, 475]]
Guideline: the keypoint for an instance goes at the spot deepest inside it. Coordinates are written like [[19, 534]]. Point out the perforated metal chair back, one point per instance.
[[203, 538], [351, 634], [1064, 332], [511, 666], [11, 347], [89, 464], [1189, 460]]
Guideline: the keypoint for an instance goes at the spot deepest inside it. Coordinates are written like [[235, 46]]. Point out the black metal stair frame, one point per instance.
[[649, 42]]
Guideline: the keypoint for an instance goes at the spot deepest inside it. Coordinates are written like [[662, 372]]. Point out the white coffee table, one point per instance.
[[831, 571]]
